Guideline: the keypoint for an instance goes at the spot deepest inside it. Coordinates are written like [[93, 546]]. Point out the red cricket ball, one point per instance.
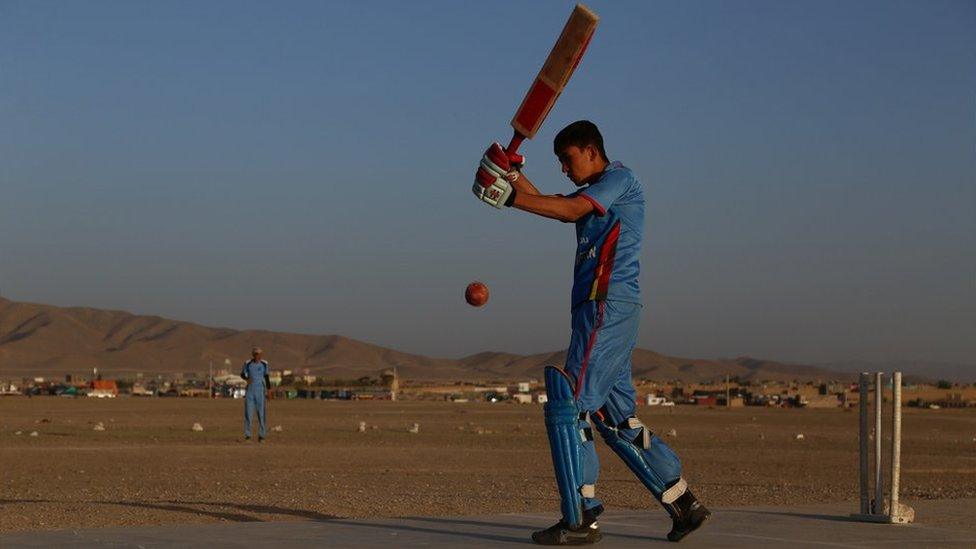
[[476, 294]]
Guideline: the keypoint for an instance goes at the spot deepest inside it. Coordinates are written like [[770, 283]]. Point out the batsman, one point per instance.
[[594, 389]]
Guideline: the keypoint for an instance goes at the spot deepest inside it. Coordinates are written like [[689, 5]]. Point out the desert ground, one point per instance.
[[149, 467]]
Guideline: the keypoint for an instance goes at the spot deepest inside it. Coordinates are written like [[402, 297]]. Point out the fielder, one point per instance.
[[595, 389], [255, 372]]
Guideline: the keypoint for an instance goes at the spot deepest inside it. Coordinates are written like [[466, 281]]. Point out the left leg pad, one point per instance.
[[653, 462]]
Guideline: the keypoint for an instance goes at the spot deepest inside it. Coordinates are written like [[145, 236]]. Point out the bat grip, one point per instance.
[[513, 145]]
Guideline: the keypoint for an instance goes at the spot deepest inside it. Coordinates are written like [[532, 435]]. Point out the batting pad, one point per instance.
[[653, 462], [565, 442]]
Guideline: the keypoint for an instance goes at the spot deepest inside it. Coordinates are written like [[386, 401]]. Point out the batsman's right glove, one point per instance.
[[491, 181]]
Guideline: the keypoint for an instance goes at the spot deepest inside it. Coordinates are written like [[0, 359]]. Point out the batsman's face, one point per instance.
[[581, 165]]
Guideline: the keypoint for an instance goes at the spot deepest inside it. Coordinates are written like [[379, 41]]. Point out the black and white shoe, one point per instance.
[[562, 534], [687, 514]]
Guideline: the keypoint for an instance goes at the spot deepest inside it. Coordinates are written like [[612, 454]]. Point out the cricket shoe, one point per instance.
[[687, 514], [562, 533]]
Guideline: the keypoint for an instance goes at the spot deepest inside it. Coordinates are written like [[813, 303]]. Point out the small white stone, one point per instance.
[[99, 426], [18, 433], [799, 436], [415, 429], [197, 427], [277, 428], [34, 433], [673, 433], [362, 427]]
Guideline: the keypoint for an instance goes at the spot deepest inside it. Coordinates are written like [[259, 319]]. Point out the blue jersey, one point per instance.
[[255, 371], [609, 239]]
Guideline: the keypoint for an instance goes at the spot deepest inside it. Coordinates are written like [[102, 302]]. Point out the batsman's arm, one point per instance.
[[522, 184], [560, 208]]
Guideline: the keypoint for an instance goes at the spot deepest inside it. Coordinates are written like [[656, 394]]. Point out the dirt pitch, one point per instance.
[[149, 467]]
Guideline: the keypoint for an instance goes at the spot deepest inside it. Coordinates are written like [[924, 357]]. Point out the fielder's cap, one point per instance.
[[257, 350]]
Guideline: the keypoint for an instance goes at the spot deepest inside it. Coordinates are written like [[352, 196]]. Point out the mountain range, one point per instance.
[[37, 339]]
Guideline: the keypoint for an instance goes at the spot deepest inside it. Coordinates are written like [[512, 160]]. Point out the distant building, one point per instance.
[[103, 388], [500, 389], [706, 400], [275, 377], [230, 379]]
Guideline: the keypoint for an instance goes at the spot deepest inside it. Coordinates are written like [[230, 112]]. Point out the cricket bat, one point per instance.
[[555, 73]]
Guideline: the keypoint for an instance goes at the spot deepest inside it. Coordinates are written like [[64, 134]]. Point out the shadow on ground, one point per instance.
[[811, 516]]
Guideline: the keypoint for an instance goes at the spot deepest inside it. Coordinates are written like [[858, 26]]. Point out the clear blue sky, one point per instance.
[[306, 166]]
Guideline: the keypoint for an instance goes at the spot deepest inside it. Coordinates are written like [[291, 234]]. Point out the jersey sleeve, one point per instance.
[[607, 191], [244, 371]]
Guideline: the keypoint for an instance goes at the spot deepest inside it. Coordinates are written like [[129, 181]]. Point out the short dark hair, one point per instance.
[[580, 134]]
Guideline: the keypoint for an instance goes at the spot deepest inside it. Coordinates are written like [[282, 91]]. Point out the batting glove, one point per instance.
[[491, 184], [504, 159]]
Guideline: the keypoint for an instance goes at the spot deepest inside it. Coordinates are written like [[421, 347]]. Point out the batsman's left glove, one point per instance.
[[491, 181], [505, 160]]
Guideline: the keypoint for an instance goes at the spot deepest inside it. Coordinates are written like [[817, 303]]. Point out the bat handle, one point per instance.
[[513, 145]]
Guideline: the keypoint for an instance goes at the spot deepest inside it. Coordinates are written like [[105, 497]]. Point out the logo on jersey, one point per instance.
[[584, 256]]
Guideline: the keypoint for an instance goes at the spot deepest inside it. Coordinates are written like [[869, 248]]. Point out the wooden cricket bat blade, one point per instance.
[[558, 68]]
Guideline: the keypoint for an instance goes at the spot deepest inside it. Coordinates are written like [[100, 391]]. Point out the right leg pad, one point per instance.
[[565, 442]]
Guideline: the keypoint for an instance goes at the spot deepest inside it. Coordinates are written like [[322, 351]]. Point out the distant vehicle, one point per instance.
[[100, 393], [330, 394], [238, 392], [653, 400], [492, 396]]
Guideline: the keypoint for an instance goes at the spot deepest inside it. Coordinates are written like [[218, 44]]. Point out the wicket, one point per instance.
[[879, 509]]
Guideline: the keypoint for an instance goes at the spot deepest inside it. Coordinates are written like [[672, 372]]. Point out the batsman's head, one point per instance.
[[579, 148], [256, 352]]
